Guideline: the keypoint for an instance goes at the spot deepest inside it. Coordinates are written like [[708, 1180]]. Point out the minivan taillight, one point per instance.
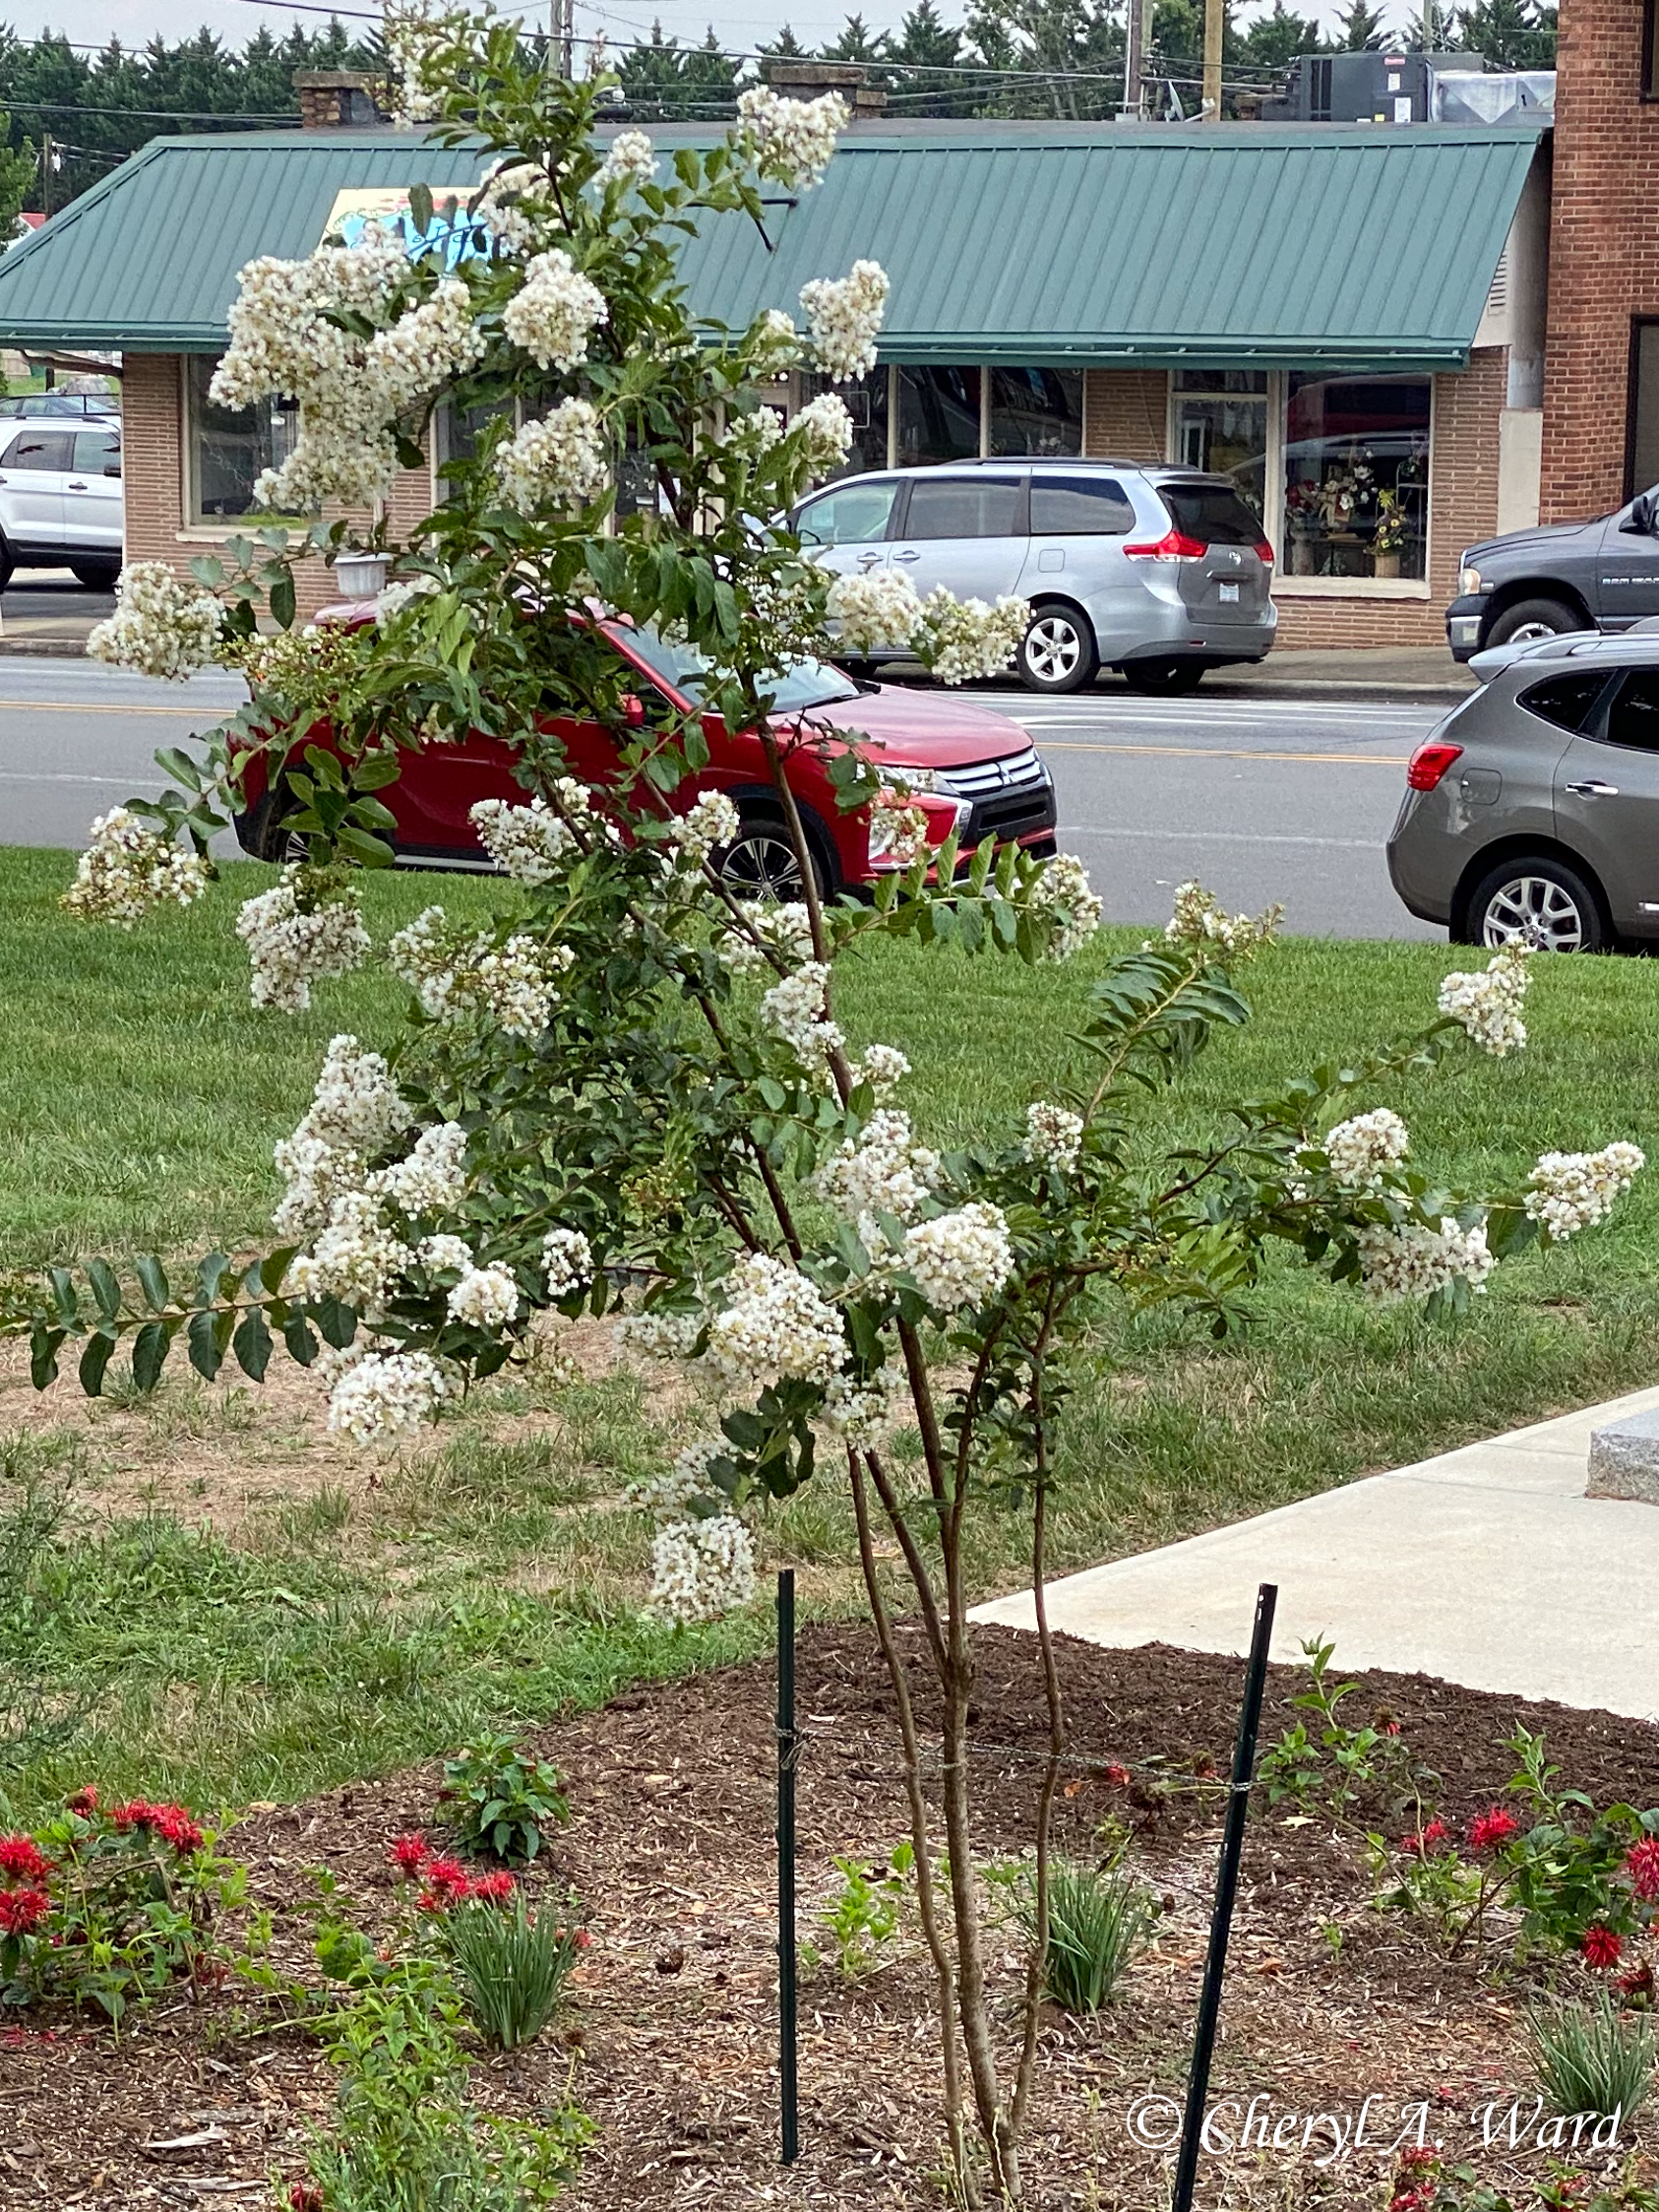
[[1430, 762], [1175, 545], [1264, 552]]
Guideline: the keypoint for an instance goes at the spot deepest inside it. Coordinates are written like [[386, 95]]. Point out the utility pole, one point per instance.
[[1215, 23], [564, 31], [45, 172], [1134, 51]]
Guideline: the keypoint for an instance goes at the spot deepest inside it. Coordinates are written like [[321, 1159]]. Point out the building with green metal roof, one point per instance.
[[1326, 312]]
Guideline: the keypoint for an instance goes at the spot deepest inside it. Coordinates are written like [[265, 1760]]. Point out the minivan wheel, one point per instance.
[[95, 576], [1058, 653], [1530, 619], [760, 863], [1538, 902], [1164, 679]]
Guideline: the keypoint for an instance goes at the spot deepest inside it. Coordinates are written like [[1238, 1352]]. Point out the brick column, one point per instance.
[[1125, 415]]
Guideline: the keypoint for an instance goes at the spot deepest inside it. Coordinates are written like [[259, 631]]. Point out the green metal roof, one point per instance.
[[1220, 246]]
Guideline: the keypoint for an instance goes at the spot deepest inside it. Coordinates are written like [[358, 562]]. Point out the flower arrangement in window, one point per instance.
[[1389, 535]]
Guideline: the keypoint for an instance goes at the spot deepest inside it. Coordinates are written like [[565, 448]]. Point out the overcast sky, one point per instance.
[[739, 25]]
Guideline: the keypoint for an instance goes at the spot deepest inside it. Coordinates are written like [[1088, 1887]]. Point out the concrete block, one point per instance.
[[1625, 1458]]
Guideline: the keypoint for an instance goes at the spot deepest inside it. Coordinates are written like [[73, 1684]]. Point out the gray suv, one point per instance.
[[1562, 577], [1161, 573], [1532, 809]]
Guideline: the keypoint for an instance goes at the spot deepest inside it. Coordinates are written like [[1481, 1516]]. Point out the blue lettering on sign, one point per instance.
[[451, 235]]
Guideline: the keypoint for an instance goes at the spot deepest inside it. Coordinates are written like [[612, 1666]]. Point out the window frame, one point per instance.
[[210, 528], [1633, 386], [1597, 725], [42, 428], [1098, 487], [1647, 91], [975, 474]]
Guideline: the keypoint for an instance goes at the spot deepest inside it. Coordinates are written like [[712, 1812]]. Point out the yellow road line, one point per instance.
[[1230, 753], [77, 706]]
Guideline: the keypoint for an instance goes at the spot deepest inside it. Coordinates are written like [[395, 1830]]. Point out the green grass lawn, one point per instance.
[[495, 1578]]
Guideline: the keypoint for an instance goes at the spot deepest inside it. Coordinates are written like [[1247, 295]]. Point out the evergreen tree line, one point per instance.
[[68, 117]]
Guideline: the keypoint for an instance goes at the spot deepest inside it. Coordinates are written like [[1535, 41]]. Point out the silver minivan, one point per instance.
[[1161, 573]]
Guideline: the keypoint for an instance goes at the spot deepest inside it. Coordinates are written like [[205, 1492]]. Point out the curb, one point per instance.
[[52, 649], [1406, 695]]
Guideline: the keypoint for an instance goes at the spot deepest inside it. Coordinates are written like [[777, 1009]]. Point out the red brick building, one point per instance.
[[1601, 384]]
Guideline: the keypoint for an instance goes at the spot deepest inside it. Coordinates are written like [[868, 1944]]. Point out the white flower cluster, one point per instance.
[[414, 32], [126, 869], [844, 315], [1198, 920], [961, 1258], [701, 1569], [1360, 1148], [666, 1497], [753, 436], [445, 1254], [796, 1008], [1489, 1003], [709, 822], [516, 207], [884, 1169], [862, 1409], [630, 159], [560, 459], [1062, 896], [1574, 1190], [567, 1262], [554, 311], [455, 975], [385, 1393], [527, 843], [659, 1335], [790, 140], [282, 336], [1053, 1136], [403, 591], [784, 928], [355, 1112], [822, 433], [292, 944], [883, 1067], [485, 1297], [963, 639], [430, 1179], [874, 611], [355, 1257], [160, 627], [774, 1324], [899, 828], [773, 344], [1413, 1261]]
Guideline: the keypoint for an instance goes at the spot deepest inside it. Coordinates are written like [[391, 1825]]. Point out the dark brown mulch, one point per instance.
[[672, 2045]]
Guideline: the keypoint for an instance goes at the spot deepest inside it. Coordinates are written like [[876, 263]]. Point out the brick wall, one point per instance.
[[158, 527], [1604, 251], [1125, 417]]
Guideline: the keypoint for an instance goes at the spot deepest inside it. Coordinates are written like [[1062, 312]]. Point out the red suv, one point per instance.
[[971, 770]]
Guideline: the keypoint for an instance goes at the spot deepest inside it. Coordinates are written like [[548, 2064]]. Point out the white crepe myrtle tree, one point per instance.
[[630, 1091]]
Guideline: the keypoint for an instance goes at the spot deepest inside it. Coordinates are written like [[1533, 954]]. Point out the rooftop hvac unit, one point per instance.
[[1364, 87]]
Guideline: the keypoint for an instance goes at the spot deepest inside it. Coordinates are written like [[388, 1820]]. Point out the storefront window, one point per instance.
[[938, 415], [1036, 411], [1221, 424], [230, 447], [1356, 477]]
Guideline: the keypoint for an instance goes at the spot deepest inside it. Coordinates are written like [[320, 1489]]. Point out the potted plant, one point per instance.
[[1389, 535]]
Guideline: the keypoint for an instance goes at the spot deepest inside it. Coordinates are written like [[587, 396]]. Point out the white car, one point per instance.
[[60, 500]]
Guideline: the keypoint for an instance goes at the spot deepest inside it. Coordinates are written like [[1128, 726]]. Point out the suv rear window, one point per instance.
[[965, 507], [1211, 513], [1633, 717], [1567, 701]]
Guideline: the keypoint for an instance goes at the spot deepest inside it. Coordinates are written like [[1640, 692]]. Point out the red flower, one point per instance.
[[493, 1889], [21, 1858], [1426, 1839], [582, 1938], [1490, 1829], [305, 2196], [1601, 1947], [1642, 1864], [1390, 1728], [1419, 2154], [1637, 1986], [1118, 1776], [23, 1910], [409, 1855], [85, 1802], [446, 1878], [133, 1813], [174, 1826]]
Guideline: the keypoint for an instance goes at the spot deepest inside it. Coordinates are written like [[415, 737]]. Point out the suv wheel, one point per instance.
[[97, 575], [7, 565], [1538, 902], [1058, 653], [1163, 679], [760, 863], [1530, 619]]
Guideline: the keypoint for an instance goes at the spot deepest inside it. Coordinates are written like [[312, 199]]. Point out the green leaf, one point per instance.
[[150, 1354], [210, 1273], [273, 1267], [338, 1322], [302, 1343], [93, 1360], [207, 1353], [43, 1356], [409, 454], [420, 208], [106, 1288], [377, 770], [63, 1291], [283, 601], [152, 1275], [180, 767], [373, 853], [252, 1345]]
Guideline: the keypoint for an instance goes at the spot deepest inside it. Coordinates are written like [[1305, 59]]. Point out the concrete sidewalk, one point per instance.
[[1487, 1566], [1426, 673]]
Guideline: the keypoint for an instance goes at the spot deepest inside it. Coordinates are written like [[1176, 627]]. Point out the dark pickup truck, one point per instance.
[[1568, 575]]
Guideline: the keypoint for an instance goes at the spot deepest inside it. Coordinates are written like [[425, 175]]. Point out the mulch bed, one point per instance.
[[670, 2044]]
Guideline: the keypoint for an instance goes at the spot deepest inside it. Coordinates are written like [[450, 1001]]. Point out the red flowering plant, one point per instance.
[[107, 1906], [1425, 2182], [1332, 1766]]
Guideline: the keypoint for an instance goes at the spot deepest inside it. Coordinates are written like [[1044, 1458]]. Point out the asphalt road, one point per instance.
[[1264, 800]]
